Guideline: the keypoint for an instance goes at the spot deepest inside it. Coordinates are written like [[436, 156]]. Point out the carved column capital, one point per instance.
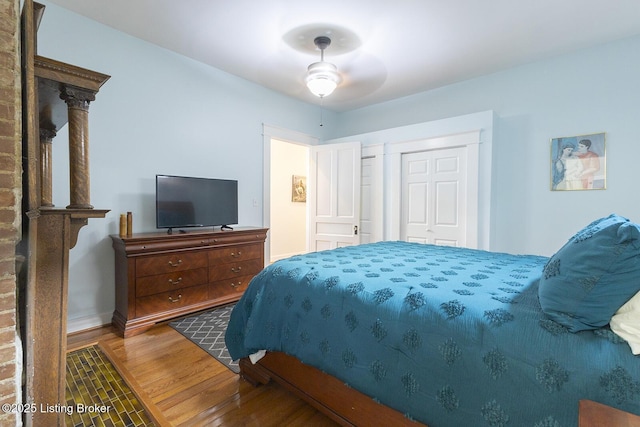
[[76, 97], [47, 135]]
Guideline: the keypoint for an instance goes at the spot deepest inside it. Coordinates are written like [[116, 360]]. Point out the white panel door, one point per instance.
[[334, 196], [366, 200], [434, 197]]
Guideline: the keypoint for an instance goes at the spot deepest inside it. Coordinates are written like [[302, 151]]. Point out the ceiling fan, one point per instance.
[[322, 77]]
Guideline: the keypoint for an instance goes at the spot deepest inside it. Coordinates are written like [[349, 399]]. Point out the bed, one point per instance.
[[445, 336]]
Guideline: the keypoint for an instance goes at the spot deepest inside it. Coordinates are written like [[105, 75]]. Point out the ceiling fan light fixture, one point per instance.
[[322, 77]]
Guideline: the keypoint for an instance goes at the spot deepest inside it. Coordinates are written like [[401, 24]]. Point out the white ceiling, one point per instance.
[[383, 49]]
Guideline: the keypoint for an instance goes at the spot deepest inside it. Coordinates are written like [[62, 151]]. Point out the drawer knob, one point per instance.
[[175, 264], [236, 270], [236, 255], [234, 285], [175, 282], [175, 299]]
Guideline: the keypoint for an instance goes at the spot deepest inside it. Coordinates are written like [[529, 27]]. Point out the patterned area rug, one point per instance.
[[207, 330], [97, 395]]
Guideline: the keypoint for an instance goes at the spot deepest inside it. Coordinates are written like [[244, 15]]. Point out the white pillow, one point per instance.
[[626, 323]]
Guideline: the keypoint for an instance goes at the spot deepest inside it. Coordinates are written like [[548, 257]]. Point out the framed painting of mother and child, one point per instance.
[[578, 163]]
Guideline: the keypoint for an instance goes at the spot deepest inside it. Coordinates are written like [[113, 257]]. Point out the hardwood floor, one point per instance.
[[182, 385]]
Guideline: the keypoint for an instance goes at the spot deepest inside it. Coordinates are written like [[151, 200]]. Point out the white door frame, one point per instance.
[[273, 132], [394, 152]]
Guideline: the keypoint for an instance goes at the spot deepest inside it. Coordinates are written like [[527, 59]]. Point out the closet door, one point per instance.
[[367, 189], [434, 197]]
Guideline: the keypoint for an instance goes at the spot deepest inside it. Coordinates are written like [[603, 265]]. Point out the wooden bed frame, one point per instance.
[[349, 407], [341, 403]]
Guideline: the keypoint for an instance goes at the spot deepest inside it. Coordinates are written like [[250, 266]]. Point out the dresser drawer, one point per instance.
[[235, 269], [235, 253], [159, 264], [150, 285], [171, 300], [230, 238], [226, 287]]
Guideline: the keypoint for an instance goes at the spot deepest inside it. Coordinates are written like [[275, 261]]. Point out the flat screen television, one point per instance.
[[183, 202]]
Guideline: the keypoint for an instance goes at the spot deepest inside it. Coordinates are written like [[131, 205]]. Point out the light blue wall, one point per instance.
[[164, 113], [159, 113], [592, 91]]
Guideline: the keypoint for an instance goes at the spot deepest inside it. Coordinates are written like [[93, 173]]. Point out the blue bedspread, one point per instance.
[[447, 336]]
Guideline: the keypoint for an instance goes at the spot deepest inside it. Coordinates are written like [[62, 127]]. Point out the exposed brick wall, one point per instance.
[[10, 197]]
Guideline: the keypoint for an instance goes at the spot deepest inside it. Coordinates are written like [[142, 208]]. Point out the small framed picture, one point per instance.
[[578, 163], [299, 189]]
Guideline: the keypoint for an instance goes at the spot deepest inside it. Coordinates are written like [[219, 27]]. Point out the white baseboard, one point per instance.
[[88, 322]]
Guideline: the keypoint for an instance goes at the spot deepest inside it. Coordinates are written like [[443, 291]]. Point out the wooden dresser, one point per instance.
[[160, 276]]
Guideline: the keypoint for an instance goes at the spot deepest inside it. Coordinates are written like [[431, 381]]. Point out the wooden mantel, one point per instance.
[[55, 94], [52, 77]]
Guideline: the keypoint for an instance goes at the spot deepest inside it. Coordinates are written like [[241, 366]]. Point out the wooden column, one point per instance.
[[78, 108], [46, 169]]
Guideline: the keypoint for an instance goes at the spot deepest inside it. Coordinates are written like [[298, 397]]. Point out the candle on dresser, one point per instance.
[[129, 223], [123, 225]]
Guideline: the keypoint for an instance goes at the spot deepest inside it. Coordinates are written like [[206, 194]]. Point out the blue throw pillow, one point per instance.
[[592, 275]]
